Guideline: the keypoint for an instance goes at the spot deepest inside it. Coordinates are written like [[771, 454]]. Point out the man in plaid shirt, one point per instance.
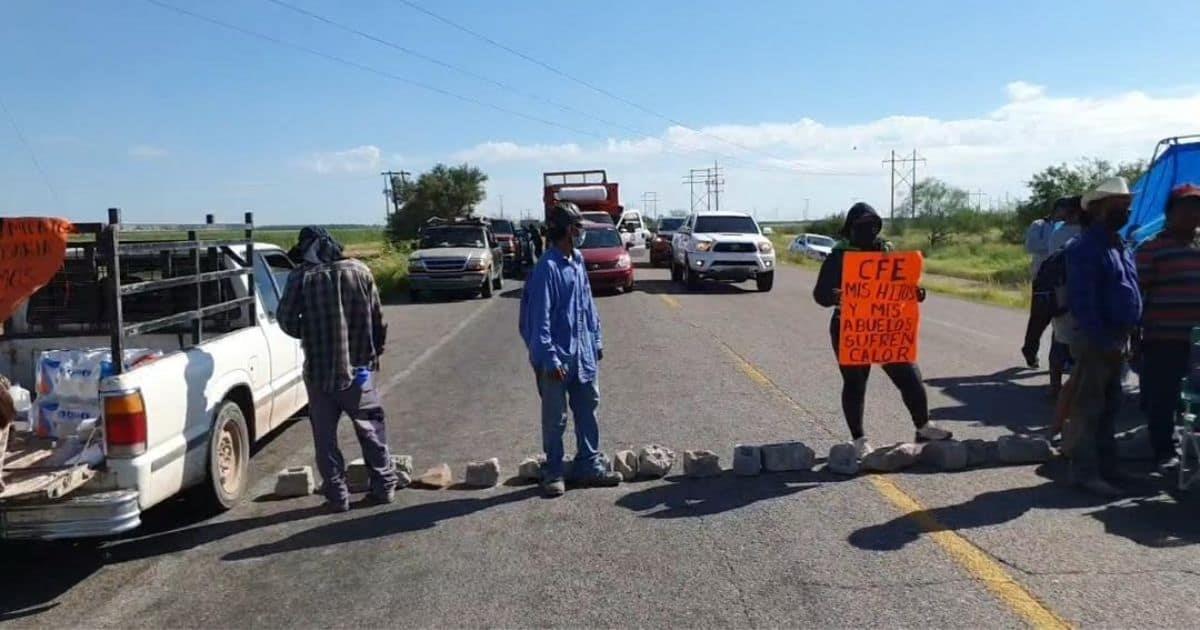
[[332, 306]]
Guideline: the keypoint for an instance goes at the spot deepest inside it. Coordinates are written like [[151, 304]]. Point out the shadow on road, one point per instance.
[[1007, 399], [1163, 521], [1002, 506], [686, 498], [379, 525]]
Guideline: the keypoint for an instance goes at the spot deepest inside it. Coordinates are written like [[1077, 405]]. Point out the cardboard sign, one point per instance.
[[881, 318], [31, 252]]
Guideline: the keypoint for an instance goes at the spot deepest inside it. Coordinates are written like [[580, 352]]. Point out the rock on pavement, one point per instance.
[[1016, 449], [484, 474], [530, 468], [296, 481], [403, 465], [701, 464], [945, 455], [892, 457], [655, 461], [979, 452], [626, 463], [358, 478], [843, 459], [787, 456], [747, 460], [437, 477]]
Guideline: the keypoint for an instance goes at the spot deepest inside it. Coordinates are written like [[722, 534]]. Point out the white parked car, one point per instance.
[[723, 246], [814, 246]]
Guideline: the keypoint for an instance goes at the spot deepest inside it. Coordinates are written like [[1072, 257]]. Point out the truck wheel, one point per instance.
[[765, 281], [486, 290], [228, 457], [676, 275], [414, 295]]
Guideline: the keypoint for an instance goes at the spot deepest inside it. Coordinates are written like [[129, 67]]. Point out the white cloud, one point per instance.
[[362, 159], [147, 152], [510, 151], [775, 163], [1024, 91]]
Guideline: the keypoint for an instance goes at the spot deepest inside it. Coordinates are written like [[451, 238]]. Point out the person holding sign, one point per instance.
[[860, 233]]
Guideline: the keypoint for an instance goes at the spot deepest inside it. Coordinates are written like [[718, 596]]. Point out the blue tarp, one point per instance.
[[1179, 164]]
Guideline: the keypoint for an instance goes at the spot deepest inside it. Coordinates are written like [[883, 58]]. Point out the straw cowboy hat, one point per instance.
[[1111, 187]]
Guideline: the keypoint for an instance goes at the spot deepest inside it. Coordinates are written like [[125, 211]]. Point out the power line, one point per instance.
[[456, 68], [583, 82], [37, 164], [366, 68]]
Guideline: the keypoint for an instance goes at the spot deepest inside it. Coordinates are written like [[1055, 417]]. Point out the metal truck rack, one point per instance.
[[102, 255]]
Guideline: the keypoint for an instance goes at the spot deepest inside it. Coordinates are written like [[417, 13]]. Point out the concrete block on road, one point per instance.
[[530, 468], [945, 455], [843, 459], [296, 481], [892, 457], [699, 464], [655, 461], [358, 476], [787, 456], [403, 464], [1018, 449], [980, 452], [437, 477], [747, 460], [626, 463], [484, 474]]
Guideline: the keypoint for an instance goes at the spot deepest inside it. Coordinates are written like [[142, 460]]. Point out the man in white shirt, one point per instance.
[[1041, 311]]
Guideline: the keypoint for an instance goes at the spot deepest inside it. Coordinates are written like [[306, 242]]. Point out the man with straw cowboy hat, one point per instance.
[[1106, 304]]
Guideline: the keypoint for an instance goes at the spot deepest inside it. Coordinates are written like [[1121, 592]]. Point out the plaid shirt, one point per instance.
[[335, 312]]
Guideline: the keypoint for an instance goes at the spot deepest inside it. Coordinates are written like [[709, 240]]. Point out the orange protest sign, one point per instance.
[[31, 252], [880, 318]]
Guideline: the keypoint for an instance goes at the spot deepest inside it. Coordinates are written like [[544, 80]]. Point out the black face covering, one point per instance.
[[1116, 219], [863, 234]]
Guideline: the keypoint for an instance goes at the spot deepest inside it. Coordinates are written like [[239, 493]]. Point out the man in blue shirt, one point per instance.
[[561, 329], [1106, 304]]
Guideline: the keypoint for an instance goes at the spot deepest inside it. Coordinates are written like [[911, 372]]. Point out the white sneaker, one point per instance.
[[862, 447], [933, 433]]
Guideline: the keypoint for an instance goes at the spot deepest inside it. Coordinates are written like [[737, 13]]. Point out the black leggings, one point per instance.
[[905, 376]]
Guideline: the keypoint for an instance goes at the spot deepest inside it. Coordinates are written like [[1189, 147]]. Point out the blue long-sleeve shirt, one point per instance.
[[559, 321], [1102, 287]]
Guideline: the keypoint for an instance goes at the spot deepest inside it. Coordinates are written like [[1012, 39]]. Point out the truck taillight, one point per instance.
[[125, 424]]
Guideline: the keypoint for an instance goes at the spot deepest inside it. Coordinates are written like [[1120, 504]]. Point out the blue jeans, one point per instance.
[[584, 398]]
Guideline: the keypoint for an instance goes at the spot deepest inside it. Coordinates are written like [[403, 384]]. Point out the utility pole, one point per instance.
[[806, 200], [978, 195], [693, 178], [389, 191], [715, 182], [910, 178], [650, 199]]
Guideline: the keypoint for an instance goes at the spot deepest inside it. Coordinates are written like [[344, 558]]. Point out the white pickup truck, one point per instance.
[[227, 375], [722, 246]]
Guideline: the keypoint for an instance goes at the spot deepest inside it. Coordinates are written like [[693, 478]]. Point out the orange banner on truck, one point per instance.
[[31, 252], [880, 316]]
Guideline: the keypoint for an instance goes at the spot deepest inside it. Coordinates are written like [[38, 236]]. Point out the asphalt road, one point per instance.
[[986, 547]]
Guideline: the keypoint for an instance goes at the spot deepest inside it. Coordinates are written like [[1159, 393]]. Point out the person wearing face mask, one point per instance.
[[1106, 304], [861, 233], [1169, 273], [561, 329]]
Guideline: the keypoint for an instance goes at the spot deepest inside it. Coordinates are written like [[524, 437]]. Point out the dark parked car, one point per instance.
[[660, 246]]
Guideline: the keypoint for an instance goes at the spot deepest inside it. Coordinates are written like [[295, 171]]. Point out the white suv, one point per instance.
[[726, 246]]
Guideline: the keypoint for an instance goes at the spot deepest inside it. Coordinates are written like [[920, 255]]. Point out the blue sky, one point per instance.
[[124, 103]]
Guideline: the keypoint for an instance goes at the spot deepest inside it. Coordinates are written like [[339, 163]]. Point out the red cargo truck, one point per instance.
[[590, 190]]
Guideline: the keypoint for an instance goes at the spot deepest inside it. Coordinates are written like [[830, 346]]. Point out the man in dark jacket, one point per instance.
[[1106, 303], [861, 233]]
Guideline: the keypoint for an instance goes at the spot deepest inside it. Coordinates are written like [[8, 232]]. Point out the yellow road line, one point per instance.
[[971, 558], [974, 560], [672, 302]]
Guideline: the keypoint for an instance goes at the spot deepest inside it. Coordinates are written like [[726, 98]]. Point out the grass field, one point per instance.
[[978, 268]]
